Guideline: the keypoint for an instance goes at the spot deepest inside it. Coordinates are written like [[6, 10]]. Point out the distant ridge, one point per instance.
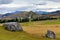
[[25, 14]]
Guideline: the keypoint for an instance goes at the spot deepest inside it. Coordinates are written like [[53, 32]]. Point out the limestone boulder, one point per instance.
[[12, 26], [50, 34]]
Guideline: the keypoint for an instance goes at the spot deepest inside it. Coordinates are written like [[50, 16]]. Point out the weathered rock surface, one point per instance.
[[50, 34], [12, 26]]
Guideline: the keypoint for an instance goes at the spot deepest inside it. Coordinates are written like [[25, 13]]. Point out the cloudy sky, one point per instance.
[[28, 5]]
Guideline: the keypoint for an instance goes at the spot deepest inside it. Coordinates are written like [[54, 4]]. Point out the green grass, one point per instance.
[[46, 22], [7, 35]]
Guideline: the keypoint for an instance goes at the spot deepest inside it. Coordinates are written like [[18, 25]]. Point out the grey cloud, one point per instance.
[[54, 0], [5, 1], [41, 4]]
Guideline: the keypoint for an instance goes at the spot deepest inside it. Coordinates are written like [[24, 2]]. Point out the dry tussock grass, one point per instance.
[[41, 29]]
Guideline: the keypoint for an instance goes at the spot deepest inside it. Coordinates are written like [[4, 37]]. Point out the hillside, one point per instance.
[[25, 14], [32, 31], [55, 14], [22, 15]]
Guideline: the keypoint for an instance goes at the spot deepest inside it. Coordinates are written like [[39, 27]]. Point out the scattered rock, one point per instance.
[[12, 26], [50, 34]]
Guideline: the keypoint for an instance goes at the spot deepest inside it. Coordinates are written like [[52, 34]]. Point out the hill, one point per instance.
[[34, 15], [23, 14], [55, 14], [32, 31]]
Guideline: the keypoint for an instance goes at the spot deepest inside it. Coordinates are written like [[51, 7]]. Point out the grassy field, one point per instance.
[[32, 31]]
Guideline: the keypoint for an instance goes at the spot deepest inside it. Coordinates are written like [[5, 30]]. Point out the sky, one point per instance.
[[8, 6]]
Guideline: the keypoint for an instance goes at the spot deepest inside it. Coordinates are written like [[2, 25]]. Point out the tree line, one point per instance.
[[26, 20]]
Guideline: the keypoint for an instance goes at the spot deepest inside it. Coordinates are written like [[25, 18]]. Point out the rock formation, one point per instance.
[[12, 26], [50, 34]]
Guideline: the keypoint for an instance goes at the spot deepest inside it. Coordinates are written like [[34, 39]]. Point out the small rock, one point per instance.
[[50, 34]]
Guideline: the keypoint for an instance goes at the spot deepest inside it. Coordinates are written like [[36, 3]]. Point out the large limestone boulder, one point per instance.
[[12, 26], [50, 34]]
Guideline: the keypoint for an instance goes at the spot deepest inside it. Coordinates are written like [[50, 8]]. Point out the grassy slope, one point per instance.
[[40, 27], [32, 31], [6, 35], [46, 22]]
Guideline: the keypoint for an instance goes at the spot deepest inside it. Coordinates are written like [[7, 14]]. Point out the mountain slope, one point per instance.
[[55, 14], [22, 15], [25, 14]]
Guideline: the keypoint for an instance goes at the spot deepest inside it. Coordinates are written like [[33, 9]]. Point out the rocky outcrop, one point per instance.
[[50, 34], [12, 26]]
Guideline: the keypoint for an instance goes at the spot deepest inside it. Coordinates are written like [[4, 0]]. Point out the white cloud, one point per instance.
[[49, 5], [27, 5]]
